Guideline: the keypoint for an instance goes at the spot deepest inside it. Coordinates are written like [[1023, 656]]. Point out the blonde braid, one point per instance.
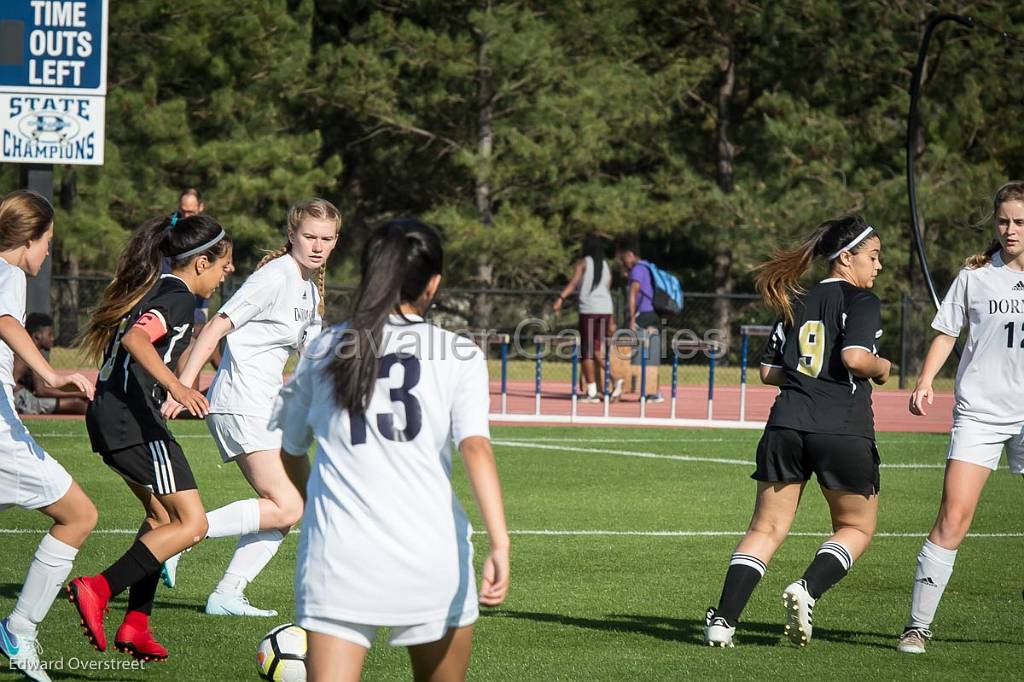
[[321, 285], [271, 255]]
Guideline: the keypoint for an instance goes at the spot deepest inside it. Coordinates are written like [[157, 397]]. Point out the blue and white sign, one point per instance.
[[53, 80], [52, 128]]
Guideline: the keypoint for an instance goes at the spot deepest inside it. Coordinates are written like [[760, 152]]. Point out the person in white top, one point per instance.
[[277, 311], [29, 477], [592, 278], [988, 296], [384, 540]]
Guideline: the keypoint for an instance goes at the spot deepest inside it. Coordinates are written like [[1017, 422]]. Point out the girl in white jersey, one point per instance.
[[29, 477], [989, 412], [276, 311], [384, 540]]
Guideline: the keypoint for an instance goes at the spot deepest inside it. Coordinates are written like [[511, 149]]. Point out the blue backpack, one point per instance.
[[668, 293]]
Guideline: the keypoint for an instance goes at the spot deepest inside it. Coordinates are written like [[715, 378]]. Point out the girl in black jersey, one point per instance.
[[141, 327], [822, 355]]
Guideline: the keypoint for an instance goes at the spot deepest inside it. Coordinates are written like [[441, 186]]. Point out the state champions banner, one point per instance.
[[53, 81]]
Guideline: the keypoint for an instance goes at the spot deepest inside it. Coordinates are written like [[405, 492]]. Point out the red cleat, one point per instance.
[[90, 597], [134, 637]]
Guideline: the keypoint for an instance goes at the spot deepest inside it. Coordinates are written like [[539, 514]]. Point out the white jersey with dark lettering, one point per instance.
[[991, 371], [384, 538], [274, 313]]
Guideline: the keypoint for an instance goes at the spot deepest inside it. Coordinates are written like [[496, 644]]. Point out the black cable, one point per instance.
[[913, 123]]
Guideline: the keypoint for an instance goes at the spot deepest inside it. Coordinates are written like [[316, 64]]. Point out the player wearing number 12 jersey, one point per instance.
[[385, 541], [276, 312], [822, 355], [988, 296]]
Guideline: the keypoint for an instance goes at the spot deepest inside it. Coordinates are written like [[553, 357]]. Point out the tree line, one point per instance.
[[717, 130]]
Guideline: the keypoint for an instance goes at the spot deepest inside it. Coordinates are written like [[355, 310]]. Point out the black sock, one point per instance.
[[830, 565], [137, 563], [745, 571], [141, 594]]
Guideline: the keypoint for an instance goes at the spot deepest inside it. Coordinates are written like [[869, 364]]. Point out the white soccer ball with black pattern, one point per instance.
[[281, 655]]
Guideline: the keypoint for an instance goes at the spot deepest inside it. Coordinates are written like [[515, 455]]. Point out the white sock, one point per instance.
[[592, 390], [934, 567], [50, 567], [237, 518], [252, 555]]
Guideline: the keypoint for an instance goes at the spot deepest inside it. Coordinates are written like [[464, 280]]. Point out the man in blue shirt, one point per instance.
[[640, 304]]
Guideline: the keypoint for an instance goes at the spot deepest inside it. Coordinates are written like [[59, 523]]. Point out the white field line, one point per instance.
[[678, 458], [583, 533], [683, 439]]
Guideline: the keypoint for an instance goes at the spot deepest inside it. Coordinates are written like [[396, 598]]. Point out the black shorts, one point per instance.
[[840, 462], [159, 466]]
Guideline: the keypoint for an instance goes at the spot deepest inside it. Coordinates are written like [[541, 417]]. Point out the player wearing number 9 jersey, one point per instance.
[[385, 541], [822, 355], [988, 296]]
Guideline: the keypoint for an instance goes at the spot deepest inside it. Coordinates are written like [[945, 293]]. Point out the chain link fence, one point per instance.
[[526, 313]]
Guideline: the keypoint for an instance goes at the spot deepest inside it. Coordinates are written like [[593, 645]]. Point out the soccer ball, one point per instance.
[[281, 655]]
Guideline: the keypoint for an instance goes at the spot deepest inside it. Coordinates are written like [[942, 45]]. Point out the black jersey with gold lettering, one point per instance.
[[820, 394], [126, 409]]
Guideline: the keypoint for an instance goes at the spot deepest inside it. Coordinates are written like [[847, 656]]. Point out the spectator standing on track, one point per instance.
[[190, 203], [592, 278], [640, 304]]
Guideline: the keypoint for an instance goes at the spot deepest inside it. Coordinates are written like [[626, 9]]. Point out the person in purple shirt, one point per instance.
[[640, 304]]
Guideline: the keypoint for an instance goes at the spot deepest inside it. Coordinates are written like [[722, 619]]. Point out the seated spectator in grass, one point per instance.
[[31, 394]]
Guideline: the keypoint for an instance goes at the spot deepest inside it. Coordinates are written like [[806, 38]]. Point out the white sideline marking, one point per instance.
[[582, 533], [678, 458], [751, 436], [75, 435]]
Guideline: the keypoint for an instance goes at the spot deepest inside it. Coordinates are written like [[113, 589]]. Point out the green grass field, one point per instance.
[[621, 540]]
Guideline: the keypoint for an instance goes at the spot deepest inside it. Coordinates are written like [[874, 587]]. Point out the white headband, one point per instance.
[[203, 247], [856, 240]]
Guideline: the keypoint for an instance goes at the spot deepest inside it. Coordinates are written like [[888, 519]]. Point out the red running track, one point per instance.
[[890, 406]]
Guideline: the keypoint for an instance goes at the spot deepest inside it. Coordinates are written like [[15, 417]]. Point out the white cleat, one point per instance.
[[799, 609], [23, 650], [913, 640], [226, 604], [169, 571], [617, 390], [717, 631]]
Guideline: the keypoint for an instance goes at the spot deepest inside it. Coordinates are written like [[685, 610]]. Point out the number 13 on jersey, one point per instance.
[[386, 421]]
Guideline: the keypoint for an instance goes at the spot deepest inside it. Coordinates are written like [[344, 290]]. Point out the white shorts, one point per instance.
[[401, 635], [29, 477], [983, 444], [239, 434]]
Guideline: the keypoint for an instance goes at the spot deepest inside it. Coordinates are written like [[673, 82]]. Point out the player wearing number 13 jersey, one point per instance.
[[822, 355], [385, 541], [988, 297]]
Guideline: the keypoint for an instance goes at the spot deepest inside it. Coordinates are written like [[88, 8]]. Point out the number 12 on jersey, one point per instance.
[[386, 421], [1010, 327]]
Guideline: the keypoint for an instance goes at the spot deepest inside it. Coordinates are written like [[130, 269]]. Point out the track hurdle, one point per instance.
[[746, 331], [554, 341], [487, 339], [711, 348]]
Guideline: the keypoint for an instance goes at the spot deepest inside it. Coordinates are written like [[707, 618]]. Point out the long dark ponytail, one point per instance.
[[139, 267], [778, 279], [593, 247], [397, 263]]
